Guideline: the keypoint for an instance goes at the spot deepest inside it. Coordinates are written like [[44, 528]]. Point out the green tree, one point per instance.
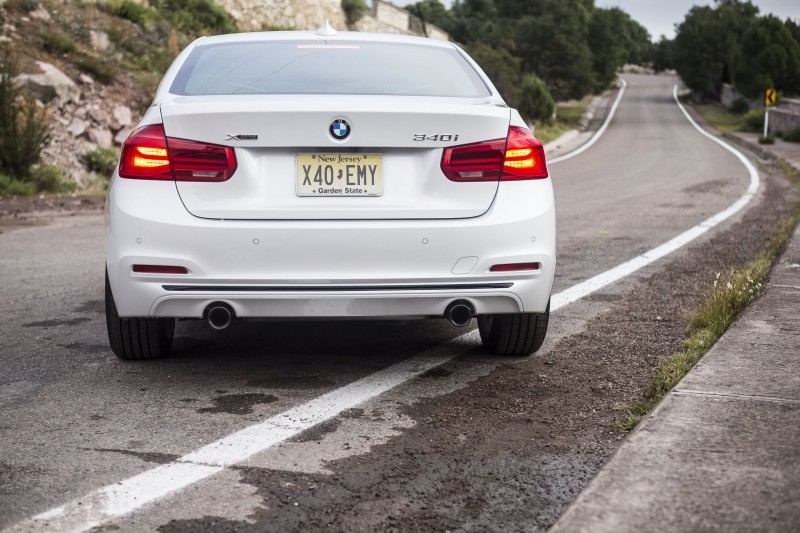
[[662, 54], [553, 44], [535, 102], [767, 57], [433, 12], [502, 67], [706, 42]]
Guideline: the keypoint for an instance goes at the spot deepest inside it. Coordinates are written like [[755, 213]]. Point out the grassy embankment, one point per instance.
[[732, 292], [567, 117]]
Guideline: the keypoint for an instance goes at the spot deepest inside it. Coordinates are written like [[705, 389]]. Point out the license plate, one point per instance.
[[339, 174]]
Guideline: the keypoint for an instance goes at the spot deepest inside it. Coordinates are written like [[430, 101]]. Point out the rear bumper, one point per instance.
[[324, 268]]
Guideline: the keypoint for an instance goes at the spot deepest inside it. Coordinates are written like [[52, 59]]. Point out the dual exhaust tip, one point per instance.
[[220, 315], [459, 313]]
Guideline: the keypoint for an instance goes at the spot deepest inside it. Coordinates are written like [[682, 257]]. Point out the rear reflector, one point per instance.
[[512, 267], [160, 269], [520, 156], [149, 154]]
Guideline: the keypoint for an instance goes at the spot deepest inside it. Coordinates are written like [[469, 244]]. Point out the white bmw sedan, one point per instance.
[[328, 175]]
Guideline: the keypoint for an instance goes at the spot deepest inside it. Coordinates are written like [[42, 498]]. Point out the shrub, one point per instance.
[[769, 139], [103, 72], [354, 10], [48, 178], [129, 10], [535, 102], [740, 106], [22, 6], [12, 187], [24, 131], [102, 160], [752, 121], [57, 42], [196, 17], [792, 136]]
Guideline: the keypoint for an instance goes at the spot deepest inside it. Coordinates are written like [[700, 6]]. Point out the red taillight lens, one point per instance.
[[148, 154], [520, 156], [144, 155], [474, 162], [524, 156], [194, 161]]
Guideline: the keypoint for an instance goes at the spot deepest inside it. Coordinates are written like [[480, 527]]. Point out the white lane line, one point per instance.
[[576, 292], [123, 498], [598, 133]]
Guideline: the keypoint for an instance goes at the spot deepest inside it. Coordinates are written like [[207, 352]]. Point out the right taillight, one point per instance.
[[149, 154], [520, 156], [524, 156]]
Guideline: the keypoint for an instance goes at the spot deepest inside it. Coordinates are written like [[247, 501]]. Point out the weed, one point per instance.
[[48, 178], [103, 72], [730, 294], [196, 17], [24, 131], [769, 139], [11, 187], [102, 160], [57, 42], [130, 10], [792, 136], [752, 121], [22, 6]]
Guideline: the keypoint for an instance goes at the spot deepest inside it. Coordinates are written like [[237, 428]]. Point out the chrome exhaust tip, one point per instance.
[[219, 315], [459, 313]]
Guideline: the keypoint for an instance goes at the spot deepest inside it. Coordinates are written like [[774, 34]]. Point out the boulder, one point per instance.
[[122, 135], [77, 127], [41, 13], [101, 137], [99, 40], [98, 115], [122, 116], [50, 84]]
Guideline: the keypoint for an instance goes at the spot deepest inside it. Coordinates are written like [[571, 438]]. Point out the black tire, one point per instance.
[[515, 334], [137, 338]]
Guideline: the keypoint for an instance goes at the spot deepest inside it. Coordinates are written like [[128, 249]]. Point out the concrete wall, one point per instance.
[[386, 17], [255, 15]]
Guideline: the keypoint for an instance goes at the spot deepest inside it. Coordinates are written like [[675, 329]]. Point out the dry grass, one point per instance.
[[730, 295]]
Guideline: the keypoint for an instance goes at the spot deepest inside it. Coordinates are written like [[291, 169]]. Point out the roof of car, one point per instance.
[[316, 36]]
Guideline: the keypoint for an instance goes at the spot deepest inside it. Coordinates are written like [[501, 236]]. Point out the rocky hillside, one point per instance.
[[74, 58], [94, 65]]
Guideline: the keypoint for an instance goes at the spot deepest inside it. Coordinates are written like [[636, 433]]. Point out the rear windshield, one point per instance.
[[317, 67]]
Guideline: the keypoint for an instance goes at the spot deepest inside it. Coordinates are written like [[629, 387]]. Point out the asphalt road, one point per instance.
[[73, 418]]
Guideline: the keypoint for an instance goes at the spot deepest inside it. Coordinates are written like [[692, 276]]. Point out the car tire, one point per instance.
[[514, 334], [137, 338]]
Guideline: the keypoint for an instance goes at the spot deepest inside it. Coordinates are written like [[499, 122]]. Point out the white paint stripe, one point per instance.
[[598, 133], [131, 494], [576, 292]]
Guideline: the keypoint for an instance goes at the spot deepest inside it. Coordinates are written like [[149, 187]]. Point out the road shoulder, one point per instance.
[[721, 451]]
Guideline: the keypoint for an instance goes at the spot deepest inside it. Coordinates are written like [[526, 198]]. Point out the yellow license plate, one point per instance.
[[339, 174]]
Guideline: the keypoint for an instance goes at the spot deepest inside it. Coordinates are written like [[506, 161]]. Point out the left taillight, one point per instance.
[[149, 154], [520, 156]]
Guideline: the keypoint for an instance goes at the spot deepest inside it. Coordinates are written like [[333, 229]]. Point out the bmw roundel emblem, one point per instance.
[[339, 129]]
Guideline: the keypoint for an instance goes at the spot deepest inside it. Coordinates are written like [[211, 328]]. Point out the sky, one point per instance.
[[660, 16]]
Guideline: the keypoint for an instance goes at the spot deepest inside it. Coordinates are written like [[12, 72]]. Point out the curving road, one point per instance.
[[74, 419]]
